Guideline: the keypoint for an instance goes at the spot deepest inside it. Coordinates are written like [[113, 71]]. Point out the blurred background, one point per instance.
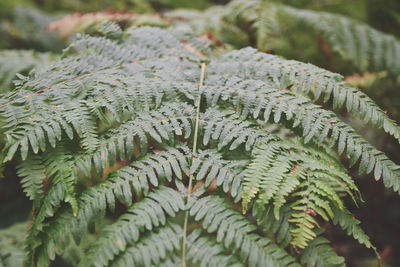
[[33, 33]]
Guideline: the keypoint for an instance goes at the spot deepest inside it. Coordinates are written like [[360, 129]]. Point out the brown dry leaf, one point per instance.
[[69, 24], [366, 79], [191, 49]]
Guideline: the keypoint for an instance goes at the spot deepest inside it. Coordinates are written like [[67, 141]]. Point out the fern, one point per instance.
[[310, 179], [261, 22], [233, 230], [153, 146], [206, 252], [12, 245], [319, 253], [19, 62], [365, 47], [315, 83], [26, 29]]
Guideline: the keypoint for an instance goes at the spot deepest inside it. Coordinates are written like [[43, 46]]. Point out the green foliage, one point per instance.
[[57, 6], [12, 245], [107, 131], [365, 47], [25, 28], [310, 180], [264, 23], [13, 62], [319, 253]]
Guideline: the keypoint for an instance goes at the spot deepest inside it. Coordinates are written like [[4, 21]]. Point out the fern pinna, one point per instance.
[[261, 22], [155, 152]]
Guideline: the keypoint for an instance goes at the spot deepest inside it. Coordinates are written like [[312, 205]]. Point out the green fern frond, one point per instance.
[[278, 228], [122, 141], [62, 179], [232, 230], [94, 202], [107, 131], [347, 222], [206, 252], [209, 166], [308, 80], [306, 177], [16, 63], [263, 100], [320, 253], [33, 173], [259, 22], [365, 47], [152, 249]]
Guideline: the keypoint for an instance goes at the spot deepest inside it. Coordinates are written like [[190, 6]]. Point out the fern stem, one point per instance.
[[189, 191]]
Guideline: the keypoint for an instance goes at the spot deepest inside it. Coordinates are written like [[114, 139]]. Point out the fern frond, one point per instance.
[[263, 100], [226, 127], [365, 47], [109, 29], [122, 141], [108, 129], [319, 253], [308, 80], [258, 22], [306, 177], [209, 166], [206, 252], [146, 214], [93, 203], [63, 177], [14, 63], [153, 249], [33, 173], [279, 228], [231, 229], [347, 222]]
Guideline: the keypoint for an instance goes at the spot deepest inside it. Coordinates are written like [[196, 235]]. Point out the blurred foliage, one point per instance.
[[140, 6], [23, 23], [25, 28], [355, 9], [67, 6], [384, 15], [69, 25], [13, 62], [12, 244]]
